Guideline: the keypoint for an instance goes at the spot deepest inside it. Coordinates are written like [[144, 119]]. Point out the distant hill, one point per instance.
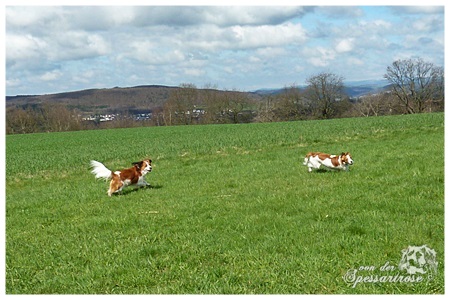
[[100, 100], [148, 97], [364, 87], [138, 99], [352, 88]]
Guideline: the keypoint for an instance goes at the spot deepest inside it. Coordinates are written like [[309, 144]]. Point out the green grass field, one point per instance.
[[231, 210]]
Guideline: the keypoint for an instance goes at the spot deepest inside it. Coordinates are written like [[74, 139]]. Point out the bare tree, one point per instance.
[[213, 105], [291, 104], [56, 117], [20, 120], [236, 102], [266, 110], [415, 82], [43, 117], [178, 108], [376, 105], [157, 116], [323, 91]]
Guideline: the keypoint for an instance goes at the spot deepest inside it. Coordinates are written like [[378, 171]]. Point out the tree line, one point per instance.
[[415, 86]]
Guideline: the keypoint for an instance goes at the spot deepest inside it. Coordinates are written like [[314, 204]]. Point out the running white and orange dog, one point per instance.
[[120, 179], [317, 159]]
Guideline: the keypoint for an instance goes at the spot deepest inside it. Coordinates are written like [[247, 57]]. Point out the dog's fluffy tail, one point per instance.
[[100, 171]]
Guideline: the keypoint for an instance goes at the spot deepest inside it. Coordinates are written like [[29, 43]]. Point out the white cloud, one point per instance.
[[84, 77], [267, 36], [154, 54], [371, 27], [222, 16], [74, 45], [100, 18], [345, 45], [229, 70], [272, 52], [194, 72], [319, 56], [92, 18], [33, 18], [14, 82], [340, 11], [213, 38], [20, 48], [253, 15], [50, 47], [50, 76], [422, 9], [427, 24], [354, 61], [254, 59], [40, 49]]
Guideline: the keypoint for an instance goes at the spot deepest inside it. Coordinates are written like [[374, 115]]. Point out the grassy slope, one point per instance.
[[232, 210]]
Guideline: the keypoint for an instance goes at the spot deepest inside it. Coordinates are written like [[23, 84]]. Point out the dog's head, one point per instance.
[[145, 166], [346, 158]]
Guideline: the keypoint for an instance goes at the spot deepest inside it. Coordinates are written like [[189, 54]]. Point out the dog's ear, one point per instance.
[[137, 164]]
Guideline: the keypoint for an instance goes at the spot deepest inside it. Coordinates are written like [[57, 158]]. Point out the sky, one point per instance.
[[51, 49]]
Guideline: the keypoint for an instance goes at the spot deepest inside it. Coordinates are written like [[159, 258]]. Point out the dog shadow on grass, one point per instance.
[[133, 190], [323, 170]]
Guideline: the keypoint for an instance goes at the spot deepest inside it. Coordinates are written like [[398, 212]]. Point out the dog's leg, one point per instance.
[[115, 185], [312, 164], [141, 182], [120, 189], [308, 164]]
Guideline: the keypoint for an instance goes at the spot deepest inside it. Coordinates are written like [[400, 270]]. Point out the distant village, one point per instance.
[[194, 113], [112, 117]]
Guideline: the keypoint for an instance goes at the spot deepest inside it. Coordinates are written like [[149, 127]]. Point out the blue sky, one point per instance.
[[52, 49]]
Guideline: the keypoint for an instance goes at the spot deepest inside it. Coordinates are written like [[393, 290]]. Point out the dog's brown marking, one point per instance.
[[335, 161], [321, 155]]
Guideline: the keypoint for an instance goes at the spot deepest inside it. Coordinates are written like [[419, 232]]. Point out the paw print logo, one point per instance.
[[419, 260]]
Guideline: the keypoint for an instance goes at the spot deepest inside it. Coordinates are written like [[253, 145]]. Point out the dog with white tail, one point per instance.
[[123, 178]]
